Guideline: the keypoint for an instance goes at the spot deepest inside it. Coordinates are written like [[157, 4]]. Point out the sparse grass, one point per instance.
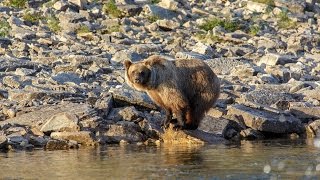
[[254, 30], [50, 3], [284, 22], [153, 18], [33, 17], [4, 28], [208, 37], [155, 1], [111, 29], [226, 24], [268, 2], [111, 9], [83, 29], [53, 24], [16, 3], [115, 28]]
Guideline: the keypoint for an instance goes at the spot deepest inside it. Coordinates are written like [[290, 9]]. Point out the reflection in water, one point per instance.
[[275, 159]]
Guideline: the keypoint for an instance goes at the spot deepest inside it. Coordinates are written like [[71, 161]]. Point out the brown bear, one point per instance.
[[185, 87]]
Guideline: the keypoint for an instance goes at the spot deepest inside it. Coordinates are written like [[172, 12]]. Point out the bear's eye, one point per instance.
[[142, 73]]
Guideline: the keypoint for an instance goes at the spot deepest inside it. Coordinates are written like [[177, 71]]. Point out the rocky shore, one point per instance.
[[62, 80]]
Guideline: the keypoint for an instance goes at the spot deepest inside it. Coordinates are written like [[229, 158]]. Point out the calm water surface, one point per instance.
[[273, 159]]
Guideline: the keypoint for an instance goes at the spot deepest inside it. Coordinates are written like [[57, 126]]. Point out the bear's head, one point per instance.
[[137, 75]]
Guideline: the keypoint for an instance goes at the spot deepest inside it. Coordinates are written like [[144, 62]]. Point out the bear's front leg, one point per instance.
[[167, 120]]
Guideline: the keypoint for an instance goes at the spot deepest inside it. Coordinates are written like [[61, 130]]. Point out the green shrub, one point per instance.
[[155, 1], [16, 3], [153, 18], [32, 17], [53, 23], [111, 9], [284, 22], [254, 30], [226, 24], [111, 29], [203, 37], [4, 28], [268, 2], [83, 29], [50, 3]]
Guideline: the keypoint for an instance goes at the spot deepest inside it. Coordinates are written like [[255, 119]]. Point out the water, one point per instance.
[[273, 159]]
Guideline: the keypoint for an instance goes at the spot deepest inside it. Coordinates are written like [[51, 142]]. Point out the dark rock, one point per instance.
[[123, 130], [220, 126], [251, 134], [38, 141], [57, 145], [11, 64], [151, 126], [104, 105], [130, 10]]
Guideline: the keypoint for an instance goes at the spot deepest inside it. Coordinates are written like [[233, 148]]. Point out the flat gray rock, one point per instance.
[[130, 96], [266, 121], [42, 114], [61, 122]]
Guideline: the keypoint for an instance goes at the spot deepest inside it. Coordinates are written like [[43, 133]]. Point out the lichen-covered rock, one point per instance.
[[313, 129], [81, 137], [3, 141], [57, 145], [305, 112], [194, 137]]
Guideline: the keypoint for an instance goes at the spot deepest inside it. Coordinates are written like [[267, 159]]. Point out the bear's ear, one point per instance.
[[154, 60], [127, 64]]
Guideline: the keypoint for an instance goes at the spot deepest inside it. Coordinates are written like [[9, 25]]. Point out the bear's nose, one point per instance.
[[137, 80]]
